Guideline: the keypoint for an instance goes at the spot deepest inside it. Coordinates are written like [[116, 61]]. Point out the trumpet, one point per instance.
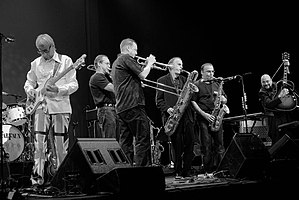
[[142, 61]]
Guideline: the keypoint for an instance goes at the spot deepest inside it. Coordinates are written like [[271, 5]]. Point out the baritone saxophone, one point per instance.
[[182, 102]]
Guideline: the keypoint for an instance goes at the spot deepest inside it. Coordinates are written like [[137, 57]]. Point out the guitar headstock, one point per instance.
[[285, 56], [79, 62]]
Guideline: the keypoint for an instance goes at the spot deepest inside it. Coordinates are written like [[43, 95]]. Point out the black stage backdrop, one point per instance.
[[237, 39]]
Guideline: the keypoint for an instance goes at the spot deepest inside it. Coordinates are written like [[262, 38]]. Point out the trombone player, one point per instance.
[[102, 92], [182, 139], [127, 75]]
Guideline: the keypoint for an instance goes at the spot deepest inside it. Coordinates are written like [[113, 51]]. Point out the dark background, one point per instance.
[[236, 38]]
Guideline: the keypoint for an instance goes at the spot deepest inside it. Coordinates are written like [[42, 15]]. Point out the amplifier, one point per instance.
[[257, 127]]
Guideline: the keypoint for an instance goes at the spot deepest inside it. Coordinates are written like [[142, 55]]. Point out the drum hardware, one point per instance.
[[4, 106], [15, 115]]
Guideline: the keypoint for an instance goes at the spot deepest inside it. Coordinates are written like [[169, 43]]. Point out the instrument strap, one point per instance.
[[57, 64]]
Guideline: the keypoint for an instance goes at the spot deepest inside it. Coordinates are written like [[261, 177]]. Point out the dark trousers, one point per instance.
[[212, 145], [183, 141], [135, 123]]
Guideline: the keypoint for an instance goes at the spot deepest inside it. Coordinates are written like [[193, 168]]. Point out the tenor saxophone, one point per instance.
[[181, 104], [219, 110]]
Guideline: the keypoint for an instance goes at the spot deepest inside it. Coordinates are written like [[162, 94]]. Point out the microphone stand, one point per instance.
[[1, 102], [2, 150], [244, 105]]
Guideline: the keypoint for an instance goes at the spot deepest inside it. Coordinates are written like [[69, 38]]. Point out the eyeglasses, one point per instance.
[[106, 63], [44, 51]]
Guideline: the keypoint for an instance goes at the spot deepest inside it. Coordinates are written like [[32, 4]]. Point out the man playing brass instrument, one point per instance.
[[102, 91], [183, 137], [212, 145], [127, 75]]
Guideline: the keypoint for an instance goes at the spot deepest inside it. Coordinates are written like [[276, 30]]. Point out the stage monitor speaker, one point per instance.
[[284, 165], [86, 160], [285, 149], [245, 157], [149, 181]]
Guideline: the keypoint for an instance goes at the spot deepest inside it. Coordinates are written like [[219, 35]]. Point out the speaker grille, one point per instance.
[[88, 159]]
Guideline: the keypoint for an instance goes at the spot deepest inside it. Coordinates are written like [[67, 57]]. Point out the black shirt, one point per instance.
[[127, 84], [97, 83]]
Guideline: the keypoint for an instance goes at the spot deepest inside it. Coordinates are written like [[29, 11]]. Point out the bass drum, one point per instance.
[[13, 142]]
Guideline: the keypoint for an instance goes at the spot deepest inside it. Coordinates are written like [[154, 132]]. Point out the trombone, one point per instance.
[[91, 67], [193, 87], [161, 84], [142, 61]]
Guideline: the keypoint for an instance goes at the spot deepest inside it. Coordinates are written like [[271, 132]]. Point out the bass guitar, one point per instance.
[[288, 102], [32, 104]]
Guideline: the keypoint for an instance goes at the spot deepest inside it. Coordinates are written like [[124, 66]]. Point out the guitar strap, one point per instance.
[[57, 64]]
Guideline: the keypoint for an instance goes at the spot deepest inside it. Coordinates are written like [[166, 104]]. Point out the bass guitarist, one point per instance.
[[54, 112]]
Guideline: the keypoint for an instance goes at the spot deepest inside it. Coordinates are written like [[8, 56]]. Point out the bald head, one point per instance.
[[266, 81]]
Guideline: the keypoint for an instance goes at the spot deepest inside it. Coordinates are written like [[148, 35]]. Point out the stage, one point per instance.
[[159, 182], [248, 169]]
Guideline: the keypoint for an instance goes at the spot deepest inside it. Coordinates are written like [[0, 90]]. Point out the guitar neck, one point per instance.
[[56, 78]]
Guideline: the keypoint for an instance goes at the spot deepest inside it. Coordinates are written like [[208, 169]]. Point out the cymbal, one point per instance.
[[4, 106]]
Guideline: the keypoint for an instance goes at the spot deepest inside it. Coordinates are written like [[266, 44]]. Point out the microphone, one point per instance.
[[5, 93], [230, 78], [247, 73], [236, 76], [227, 78], [223, 79], [213, 79], [9, 94], [7, 38]]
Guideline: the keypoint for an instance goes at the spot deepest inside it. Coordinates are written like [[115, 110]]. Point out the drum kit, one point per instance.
[[17, 139]]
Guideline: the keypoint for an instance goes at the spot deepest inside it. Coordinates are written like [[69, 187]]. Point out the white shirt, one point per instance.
[[41, 71]]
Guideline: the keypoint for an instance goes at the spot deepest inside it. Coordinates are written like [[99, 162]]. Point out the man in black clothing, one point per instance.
[[102, 91], [211, 140], [183, 137], [127, 75]]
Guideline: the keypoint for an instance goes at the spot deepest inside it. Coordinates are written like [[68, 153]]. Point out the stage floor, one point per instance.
[[281, 180], [197, 186]]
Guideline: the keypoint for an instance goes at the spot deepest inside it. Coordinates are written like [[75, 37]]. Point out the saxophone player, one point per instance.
[[211, 142], [182, 139]]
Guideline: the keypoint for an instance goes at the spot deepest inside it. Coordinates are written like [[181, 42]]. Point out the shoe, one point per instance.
[[178, 177], [50, 190], [37, 180], [187, 174]]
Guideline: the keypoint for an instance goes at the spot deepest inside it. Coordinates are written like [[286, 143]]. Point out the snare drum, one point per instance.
[[13, 141], [15, 115]]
